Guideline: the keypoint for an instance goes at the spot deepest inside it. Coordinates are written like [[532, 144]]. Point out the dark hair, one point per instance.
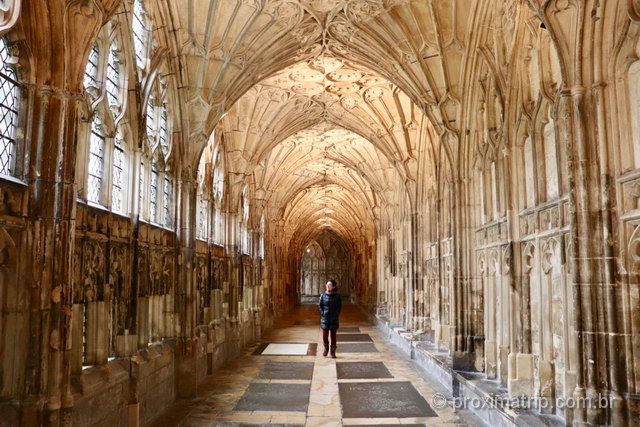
[[333, 282]]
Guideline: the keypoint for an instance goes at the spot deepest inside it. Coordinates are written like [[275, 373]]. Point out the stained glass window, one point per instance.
[[96, 159], [112, 83], [118, 183], [8, 111], [153, 195], [140, 32]]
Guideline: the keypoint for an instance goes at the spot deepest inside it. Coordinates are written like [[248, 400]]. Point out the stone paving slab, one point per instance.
[[312, 349], [348, 329], [382, 400], [286, 371], [354, 337], [357, 348], [275, 397], [362, 370]]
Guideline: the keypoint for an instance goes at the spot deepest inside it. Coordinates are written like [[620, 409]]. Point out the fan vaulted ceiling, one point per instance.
[[324, 104]]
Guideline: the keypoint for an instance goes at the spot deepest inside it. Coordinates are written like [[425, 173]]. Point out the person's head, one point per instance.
[[331, 286]]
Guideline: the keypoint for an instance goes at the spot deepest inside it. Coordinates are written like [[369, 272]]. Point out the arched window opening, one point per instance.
[[104, 147], [96, 159]]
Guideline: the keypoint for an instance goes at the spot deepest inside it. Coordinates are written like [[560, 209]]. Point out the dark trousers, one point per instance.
[[325, 337]]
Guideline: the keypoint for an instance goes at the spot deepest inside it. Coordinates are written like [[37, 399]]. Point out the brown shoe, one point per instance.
[[326, 350], [333, 352]]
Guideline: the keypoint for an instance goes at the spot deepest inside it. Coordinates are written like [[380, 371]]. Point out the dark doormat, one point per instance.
[[383, 400], [286, 371], [353, 337], [367, 347], [362, 370], [275, 397]]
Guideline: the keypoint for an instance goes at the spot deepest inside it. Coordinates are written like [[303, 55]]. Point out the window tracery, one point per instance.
[[158, 142], [106, 156]]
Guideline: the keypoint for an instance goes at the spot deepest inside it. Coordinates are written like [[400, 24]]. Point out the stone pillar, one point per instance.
[[186, 298], [60, 36]]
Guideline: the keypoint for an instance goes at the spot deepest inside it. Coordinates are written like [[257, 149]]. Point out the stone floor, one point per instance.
[[370, 383]]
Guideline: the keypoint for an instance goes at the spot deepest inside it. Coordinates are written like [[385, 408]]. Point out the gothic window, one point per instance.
[[158, 137], [96, 159], [140, 32], [104, 151], [9, 95]]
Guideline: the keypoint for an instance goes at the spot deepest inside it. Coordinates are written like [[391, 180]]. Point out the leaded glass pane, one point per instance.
[[153, 196], [141, 189], [91, 71], [96, 160], [117, 190], [202, 218], [8, 111], [150, 121], [140, 32], [164, 136], [166, 201], [112, 83]]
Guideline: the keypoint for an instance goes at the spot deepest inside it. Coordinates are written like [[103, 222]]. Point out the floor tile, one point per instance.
[[361, 370], [275, 397], [257, 391], [348, 329], [286, 349], [354, 337], [356, 348], [286, 371], [382, 400]]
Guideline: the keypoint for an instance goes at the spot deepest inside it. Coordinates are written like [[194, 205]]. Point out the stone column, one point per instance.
[[59, 38], [186, 299]]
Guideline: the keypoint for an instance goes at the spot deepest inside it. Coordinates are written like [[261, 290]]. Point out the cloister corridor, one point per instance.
[[179, 180]]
